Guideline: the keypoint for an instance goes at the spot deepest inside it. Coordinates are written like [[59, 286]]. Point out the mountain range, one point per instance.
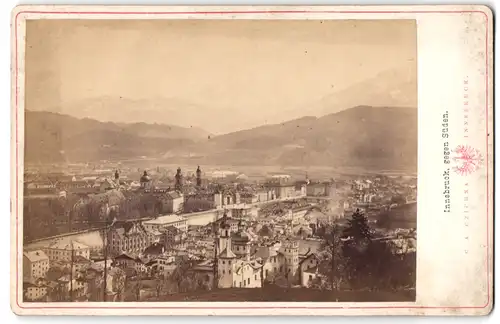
[[53, 137], [395, 86], [368, 137]]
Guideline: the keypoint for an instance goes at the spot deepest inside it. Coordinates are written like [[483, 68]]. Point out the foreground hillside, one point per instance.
[[273, 294]]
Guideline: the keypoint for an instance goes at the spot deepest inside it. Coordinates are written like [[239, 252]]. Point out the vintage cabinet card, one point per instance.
[[252, 160]]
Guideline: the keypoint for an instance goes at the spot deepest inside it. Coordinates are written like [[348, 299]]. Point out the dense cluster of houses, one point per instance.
[[228, 251], [251, 234]]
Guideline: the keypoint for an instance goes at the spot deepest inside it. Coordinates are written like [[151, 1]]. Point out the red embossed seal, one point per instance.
[[467, 159]]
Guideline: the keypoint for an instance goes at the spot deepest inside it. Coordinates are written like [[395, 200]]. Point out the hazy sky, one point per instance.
[[257, 70]]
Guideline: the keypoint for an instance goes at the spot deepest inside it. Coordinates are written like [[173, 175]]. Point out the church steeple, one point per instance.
[[178, 179], [223, 223], [198, 177], [224, 235], [241, 227]]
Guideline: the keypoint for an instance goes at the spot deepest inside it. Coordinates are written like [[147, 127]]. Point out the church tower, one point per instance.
[[198, 177], [178, 180], [224, 234], [226, 259], [117, 178], [291, 253]]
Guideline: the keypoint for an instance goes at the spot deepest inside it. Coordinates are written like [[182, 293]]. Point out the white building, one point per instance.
[[162, 222], [33, 291], [234, 272], [247, 274], [130, 238], [279, 260], [173, 202], [35, 265], [67, 250], [309, 269]]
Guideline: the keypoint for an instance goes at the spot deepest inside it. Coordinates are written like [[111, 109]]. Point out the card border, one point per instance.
[[18, 11]]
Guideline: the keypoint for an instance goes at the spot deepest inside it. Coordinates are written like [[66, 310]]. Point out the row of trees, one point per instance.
[[355, 259]]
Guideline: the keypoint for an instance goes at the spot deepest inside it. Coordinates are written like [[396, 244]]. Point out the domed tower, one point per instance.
[[241, 242], [178, 179], [145, 180], [291, 253], [198, 177], [226, 258]]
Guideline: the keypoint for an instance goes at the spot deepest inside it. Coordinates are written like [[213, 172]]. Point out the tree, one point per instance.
[[358, 229], [161, 284], [180, 211], [202, 281], [138, 287], [179, 274], [119, 281], [331, 258], [357, 238], [374, 262], [318, 283]]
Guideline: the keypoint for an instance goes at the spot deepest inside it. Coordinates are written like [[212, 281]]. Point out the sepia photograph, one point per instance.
[[206, 160]]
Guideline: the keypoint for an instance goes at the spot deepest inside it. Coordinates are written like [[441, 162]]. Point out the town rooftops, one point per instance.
[[41, 196], [80, 259], [206, 265], [35, 256], [265, 252], [125, 256], [242, 263], [241, 237], [63, 244], [174, 230], [129, 229], [280, 184], [28, 284], [154, 249], [281, 176], [227, 254], [166, 219], [300, 208], [173, 195], [239, 206], [155, 233]]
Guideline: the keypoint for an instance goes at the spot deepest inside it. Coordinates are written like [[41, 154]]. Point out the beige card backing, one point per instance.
[[455, 199]]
